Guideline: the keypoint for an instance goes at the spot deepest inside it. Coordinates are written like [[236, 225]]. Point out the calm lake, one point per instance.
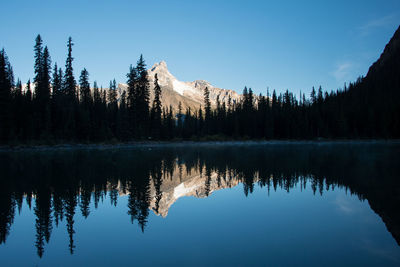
[[274, 204]]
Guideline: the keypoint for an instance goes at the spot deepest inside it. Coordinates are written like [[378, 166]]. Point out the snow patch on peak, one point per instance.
[[181, 190], [193, 92], [181, 87]]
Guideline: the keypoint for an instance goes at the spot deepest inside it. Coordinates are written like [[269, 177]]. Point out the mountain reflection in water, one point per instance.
[[56, 185]]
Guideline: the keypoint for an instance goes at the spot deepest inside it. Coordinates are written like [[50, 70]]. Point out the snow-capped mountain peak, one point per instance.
[[193, 91]]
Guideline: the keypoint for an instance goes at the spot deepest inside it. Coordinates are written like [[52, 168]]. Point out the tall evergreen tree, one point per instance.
[[18, 112], [56, 100], [207, 109], [85, 107], [112, 107], [28, 93], [313, 95], [112, 94], [5, 96], [142, 98], [122, 119], [44, 96], [320, 97], [131, 98], [84, 86], [57, 81], [28, 124], [156, 109], [69, 92], [46, 68], [179, 120], [98, 131], [96, 93], [69, 79], [38, 49]]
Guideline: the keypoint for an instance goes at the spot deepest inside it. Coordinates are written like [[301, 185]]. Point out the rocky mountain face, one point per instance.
[[184, 184], [190, 94]]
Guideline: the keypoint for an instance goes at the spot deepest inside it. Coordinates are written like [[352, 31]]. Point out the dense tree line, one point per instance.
[[55, 108], [59, 109]]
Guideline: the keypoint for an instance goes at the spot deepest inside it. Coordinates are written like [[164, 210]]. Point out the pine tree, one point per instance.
[[122, 119], [112, 93], [320, 97], [313, 96], [85, 96], [38, 68], [46, 69], [17, 111], [60, 76], [39, 93], [97, 113], [28, 93], [43, 98], [207, 109], [200, 123], [112, 107], [156, 109], [69, 79], [5, 96], [248, 99], [96, 92], [131, 98], [142, 98], [179, 122], [10, 74], [28, 123], [56, 100], [138, 98], [70, 100], [170, 123], [132, 79], [85, 107], [57, 81]]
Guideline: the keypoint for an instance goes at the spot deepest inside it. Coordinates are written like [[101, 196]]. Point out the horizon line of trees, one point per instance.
[[60, 109]]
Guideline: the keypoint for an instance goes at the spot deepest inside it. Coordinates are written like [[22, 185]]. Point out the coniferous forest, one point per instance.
[[56, 107]]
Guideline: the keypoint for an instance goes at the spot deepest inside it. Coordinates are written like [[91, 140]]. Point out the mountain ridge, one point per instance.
[[390, 55], [190, 94]]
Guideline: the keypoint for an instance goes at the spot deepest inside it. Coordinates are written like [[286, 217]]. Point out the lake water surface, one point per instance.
[[271, 204]]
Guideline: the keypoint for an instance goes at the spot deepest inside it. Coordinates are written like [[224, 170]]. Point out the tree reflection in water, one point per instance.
[[61, 183]]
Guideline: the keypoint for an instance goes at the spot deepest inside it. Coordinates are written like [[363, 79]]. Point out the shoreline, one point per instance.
[[182, 143]]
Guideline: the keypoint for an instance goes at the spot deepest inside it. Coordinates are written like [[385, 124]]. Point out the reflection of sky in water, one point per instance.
[[344, 204], [226, 228], [310, 219]]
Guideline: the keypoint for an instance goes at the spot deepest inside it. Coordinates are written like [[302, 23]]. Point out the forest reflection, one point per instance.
[[57, 185]]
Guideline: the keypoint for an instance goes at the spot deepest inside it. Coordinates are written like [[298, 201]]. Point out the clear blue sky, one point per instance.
[[277, 44]]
